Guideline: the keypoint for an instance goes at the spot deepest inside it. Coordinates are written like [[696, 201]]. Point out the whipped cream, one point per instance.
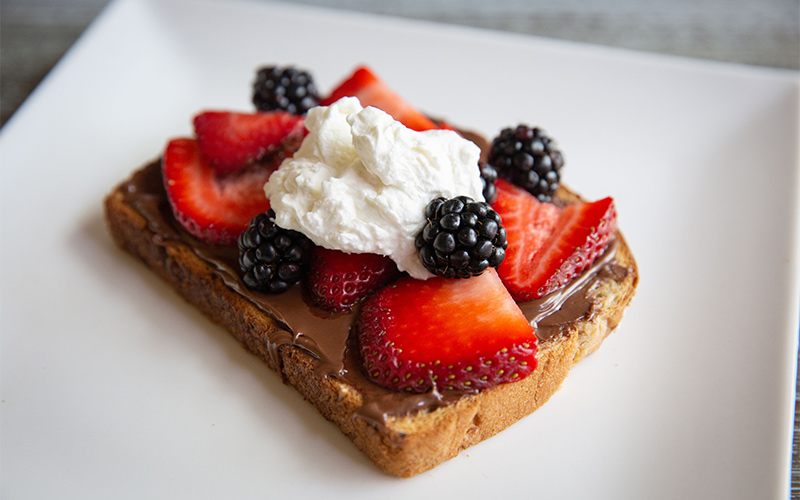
[[361, 180]]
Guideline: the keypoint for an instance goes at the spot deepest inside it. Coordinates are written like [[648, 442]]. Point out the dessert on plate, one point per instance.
[[422, 287]]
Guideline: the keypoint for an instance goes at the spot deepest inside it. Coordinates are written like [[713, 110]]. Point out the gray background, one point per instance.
[[34, 34]]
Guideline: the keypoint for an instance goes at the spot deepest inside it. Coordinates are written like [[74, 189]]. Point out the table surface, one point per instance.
[[34, 35]]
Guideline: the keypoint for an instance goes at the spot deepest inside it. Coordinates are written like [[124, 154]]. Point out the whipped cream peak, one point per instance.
[[361, 180]]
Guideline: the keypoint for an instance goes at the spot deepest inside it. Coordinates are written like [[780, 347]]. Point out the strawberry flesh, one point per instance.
[[444, 333], [213, 207], [549, 246], [337, 281], [232, 141], [372, 91]]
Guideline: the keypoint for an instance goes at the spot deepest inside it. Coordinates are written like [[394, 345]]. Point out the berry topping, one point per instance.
[[284, 88], [447, 334], [232, 141], [337, 280], [212, 207], [272, 258], [488, 178], [549, 246], [528, 158], [371, 91], [461, 238]]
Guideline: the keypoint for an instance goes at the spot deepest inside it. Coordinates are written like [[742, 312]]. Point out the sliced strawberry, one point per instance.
[[548, 246], [234, 140], [337, 280], [371, 91], [211, 206], [449, 334]]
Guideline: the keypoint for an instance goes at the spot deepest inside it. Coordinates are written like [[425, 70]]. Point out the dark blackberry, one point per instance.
[[528, 158], [488, 178], [461, 238], [272, 258], [284, 88]]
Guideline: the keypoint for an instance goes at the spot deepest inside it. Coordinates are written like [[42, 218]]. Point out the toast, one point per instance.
[[404, 434]]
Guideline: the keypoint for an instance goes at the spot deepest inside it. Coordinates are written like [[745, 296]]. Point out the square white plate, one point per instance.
[[112, 387]]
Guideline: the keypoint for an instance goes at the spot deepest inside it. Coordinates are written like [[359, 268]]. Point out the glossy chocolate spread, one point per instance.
[[328, 337]]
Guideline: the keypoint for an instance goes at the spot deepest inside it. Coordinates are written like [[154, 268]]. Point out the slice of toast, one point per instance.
[[403, 434]]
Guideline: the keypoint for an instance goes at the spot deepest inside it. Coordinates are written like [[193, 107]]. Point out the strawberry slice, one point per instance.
[[211, 206], [449, 334], [337, 280], [232, 141], [549, 246], [371, 91]]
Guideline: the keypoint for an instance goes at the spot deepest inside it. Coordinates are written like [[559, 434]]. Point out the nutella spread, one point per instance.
[[327, 337]]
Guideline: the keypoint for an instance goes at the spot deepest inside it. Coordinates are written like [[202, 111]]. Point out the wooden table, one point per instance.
[[34, 36]]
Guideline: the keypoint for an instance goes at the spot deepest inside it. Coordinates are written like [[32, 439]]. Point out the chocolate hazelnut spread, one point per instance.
[[327, 337]]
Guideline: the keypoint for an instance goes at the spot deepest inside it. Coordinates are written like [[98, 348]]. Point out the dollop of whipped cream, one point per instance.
[[361, 180]]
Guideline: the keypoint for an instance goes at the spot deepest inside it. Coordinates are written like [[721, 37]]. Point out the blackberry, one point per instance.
[[528, 158], [272, 258], [462, 237], [488, 178], [284, 88]]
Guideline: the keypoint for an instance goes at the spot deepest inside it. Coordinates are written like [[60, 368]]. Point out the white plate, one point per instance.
[[112, 387]]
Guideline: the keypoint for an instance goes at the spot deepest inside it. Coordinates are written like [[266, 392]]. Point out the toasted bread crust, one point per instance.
[[404, 446]]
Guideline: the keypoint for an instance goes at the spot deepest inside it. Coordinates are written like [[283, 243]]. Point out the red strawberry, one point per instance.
[[371, 91], [548, 246], [451, 334], [234, 140], [338, 280], [211, 206]]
